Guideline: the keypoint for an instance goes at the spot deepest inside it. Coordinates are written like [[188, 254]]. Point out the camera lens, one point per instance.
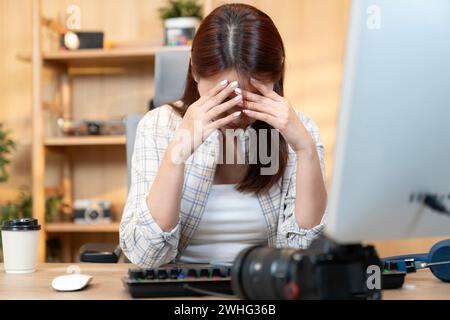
[[266, 273], [93, 214]]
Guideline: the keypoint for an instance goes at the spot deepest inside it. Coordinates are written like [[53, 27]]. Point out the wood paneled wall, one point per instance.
[[313, 31], [15, 91]]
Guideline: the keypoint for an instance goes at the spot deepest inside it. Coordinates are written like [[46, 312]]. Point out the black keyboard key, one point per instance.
[[162, 274], [192, 273], [216, 273], [204, 273], [149, 274], [174, 274], [135, 274]]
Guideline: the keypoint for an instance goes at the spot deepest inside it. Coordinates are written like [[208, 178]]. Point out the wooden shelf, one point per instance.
[[105, 57], [73, 227], [124, 73], [85, 141]]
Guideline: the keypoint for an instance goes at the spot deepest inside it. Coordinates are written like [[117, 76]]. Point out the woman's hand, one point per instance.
[[277, 111], [204, 116], [311, 194], [201, 119]]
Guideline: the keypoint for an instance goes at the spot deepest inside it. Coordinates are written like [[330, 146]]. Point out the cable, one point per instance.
[[433, 202], [422, 265], [209, 293]]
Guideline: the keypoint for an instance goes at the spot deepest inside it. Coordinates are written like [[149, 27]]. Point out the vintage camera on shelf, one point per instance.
[[91, 127], [92, 211]]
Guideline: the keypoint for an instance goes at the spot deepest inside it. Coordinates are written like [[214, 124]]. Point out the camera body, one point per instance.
[[92, 211], [324, 271]]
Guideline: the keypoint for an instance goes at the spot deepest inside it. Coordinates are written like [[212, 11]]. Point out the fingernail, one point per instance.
[[223, 82], [237, 98], [237, 114], [238, 91], [234, 84]]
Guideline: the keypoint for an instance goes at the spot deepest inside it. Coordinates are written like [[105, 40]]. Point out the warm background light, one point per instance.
[[314, 33]]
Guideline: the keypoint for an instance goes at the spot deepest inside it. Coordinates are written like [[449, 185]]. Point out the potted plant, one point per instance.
[[181, 19], [22, 207], [7, 146]]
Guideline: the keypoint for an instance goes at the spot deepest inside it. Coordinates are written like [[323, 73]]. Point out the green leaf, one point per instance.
[[11, 143], [180, 8], [7, 145]]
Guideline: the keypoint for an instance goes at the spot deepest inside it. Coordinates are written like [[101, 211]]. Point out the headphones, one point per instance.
[[437, 259]]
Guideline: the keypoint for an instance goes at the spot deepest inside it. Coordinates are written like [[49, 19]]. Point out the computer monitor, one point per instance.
[[393, 136]]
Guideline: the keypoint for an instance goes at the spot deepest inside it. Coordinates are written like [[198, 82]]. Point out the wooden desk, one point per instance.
[[107, 284]]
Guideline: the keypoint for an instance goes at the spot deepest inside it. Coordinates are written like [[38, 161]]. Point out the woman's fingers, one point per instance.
[[266, 89], [223, 121], [261, 107], [250, 96], [221, 108], [262, 116], [220, 96], [214, 90]]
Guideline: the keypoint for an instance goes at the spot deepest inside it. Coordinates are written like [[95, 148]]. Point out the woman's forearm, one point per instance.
[[311, 194], [164, 196], [201, 118]]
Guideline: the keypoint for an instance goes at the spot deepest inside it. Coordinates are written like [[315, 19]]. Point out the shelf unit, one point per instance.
[[63, 63], [65, 227], [97, 57], [84, 141]]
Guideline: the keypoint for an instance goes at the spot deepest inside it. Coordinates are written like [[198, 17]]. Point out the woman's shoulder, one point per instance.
[[163, 119]]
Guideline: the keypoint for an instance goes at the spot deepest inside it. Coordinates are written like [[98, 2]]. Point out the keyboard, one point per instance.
[[178, 281]]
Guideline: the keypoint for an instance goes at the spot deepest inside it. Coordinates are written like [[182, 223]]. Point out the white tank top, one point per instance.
[[231, 222]]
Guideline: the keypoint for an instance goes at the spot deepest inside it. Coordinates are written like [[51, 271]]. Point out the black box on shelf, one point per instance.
[[74, 40]]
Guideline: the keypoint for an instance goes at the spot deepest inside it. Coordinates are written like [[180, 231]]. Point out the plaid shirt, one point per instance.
[[147, 245]]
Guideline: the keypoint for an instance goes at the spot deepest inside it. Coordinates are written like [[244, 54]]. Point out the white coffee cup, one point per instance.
[[20, 240]]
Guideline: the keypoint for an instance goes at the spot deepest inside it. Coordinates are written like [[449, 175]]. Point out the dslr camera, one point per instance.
[[326, 270]]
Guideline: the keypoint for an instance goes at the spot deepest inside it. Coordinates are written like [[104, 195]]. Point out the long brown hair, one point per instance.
[[243, 38]]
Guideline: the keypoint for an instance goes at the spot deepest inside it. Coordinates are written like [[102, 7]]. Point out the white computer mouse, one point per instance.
[[71, 282]]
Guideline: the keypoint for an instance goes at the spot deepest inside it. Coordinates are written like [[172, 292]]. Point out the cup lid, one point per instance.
[[24, 224]]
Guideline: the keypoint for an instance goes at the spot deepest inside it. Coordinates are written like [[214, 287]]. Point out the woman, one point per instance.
[[185, 205]]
